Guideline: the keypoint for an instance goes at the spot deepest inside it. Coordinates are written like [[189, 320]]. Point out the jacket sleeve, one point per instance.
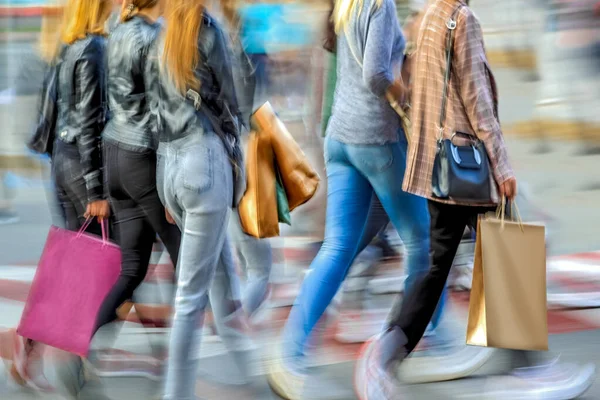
[[377, 70], [477, 93], [89, 116], [220, 63], [151, 83]]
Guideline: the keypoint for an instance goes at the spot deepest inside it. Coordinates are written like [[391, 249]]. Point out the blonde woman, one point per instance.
[[199, 179], [130, 153], [77, 161], [76, 158], [365, 153]]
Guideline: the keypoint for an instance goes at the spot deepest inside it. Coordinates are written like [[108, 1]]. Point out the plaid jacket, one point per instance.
[[472, 106]]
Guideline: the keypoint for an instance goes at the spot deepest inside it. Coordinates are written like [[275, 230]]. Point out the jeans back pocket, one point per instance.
[[197, 168]]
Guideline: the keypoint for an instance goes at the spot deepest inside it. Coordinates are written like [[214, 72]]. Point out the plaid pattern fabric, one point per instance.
[[472, 106]]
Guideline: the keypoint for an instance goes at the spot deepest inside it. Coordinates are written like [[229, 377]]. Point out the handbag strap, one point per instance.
[[451, 25]]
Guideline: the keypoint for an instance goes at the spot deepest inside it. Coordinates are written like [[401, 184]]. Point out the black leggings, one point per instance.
[[139, 217]]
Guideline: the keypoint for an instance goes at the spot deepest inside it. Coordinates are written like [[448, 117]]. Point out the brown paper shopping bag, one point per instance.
[[258, 207], [507, 308], [299, 178]]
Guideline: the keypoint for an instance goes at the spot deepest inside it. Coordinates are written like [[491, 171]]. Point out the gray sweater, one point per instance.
[[361, 114]]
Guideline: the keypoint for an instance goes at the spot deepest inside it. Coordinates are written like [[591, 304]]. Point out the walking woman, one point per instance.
[[200, 178], [76, 158], [130, 153], [365, 153], [254, 255]]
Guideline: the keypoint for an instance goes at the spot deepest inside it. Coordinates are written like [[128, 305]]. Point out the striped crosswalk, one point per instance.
[[574, 282]]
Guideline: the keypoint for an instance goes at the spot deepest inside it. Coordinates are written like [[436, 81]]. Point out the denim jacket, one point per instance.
[[131, 122], [81, 101]]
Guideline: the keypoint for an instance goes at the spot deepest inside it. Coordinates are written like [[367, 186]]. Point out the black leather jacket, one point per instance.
[[177, 115], [131, 123], [81, 109]]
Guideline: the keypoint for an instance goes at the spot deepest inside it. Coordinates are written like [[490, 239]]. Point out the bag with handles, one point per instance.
[[74, 275], [508, 305], [460, 172], [259, 209]]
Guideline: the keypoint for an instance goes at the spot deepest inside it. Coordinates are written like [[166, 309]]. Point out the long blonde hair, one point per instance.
[[130, 8], [84, 17], [180, 58], [343, 11]]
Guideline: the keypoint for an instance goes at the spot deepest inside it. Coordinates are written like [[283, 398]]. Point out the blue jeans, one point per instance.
[[195, 183], [354, 173], [256, 260]]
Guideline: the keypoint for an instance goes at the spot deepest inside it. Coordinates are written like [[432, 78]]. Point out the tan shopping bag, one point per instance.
[[299, 178], [507, 308], [258, 207]]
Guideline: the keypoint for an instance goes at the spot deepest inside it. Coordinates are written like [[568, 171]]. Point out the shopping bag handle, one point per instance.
[[103, 225], [515, 214], [84, 226]]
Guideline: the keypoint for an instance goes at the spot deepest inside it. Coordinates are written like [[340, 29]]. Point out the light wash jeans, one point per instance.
[[195, 182], [256, 260], [354, 173]]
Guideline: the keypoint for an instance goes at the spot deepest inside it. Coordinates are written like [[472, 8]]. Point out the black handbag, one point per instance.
[[460, 172], [42, 140]]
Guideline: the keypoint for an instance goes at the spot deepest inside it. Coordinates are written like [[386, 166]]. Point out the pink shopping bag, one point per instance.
[[74, 275]]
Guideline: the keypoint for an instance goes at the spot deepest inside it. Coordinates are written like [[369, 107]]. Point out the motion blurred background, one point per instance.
[[546, 58]]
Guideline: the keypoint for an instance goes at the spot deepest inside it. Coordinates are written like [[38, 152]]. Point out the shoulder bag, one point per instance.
[[459, 172], [42, 140]]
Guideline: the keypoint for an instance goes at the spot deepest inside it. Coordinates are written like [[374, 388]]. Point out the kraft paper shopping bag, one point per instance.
[[507, 308]]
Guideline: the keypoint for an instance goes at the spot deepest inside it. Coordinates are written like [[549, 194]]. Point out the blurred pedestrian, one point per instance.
[[365, 154], [257, 18], [254, 255], [200, 177], [472, 109], [76, 158], [130, 142]]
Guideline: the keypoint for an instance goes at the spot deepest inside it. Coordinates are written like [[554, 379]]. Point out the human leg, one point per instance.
[[348, 199]]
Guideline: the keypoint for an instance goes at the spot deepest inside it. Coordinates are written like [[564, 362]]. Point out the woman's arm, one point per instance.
[[377, 68], [89, 115], [220, 63]]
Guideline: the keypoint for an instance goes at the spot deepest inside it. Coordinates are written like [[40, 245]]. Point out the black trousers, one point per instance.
[[448, 223], [139, 216], [71, 191]]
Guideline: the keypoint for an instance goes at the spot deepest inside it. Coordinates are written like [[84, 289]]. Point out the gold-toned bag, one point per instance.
[[299, 178], [507, 308], [258, 207]]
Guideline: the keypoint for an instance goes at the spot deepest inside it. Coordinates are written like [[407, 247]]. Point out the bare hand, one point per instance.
[[398, 92], [99, 209], [509, 188], [169, 217]]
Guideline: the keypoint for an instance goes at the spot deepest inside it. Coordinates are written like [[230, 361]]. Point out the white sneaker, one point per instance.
[[554, 382], [460, 363]]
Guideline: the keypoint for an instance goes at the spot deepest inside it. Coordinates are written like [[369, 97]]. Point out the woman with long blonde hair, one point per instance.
[[365, 155], [130, 154], [200, 177], [77, 160], [76, 156]]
